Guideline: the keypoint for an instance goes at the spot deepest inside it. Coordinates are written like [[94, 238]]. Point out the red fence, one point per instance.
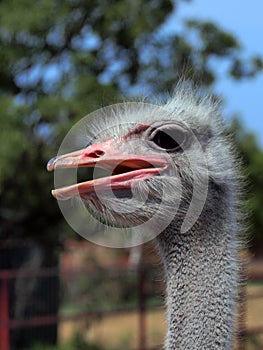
[[7, 324]]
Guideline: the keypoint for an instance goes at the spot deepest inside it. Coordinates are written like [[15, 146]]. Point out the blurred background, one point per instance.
[[60, 60]]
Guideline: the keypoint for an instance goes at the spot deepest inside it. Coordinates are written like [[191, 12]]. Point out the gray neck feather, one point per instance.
[[201, 275]]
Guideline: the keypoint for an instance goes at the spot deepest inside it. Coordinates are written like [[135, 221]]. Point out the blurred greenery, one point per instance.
[[76, 343], [251, 156], [110, 292], [61, 59]]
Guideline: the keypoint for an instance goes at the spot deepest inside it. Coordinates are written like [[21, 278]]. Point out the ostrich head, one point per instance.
[[153, 154], [170, 165]]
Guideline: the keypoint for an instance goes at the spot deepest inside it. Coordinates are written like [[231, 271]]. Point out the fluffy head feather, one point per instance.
[[206, 157]]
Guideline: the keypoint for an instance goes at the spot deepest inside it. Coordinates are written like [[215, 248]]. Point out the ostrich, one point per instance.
[[167, 150]]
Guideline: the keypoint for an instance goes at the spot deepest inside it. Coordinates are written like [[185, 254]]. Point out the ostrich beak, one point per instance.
[[125, 169]]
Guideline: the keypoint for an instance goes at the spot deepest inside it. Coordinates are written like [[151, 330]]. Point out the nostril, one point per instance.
[[96, 154]]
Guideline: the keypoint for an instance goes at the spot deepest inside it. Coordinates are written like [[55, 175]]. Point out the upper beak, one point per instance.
[[88, 157]]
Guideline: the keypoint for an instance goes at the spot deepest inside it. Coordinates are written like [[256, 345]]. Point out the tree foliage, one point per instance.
[[252, 158], [61, 59]]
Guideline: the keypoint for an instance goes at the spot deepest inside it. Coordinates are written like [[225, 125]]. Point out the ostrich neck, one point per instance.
[[201, 277]]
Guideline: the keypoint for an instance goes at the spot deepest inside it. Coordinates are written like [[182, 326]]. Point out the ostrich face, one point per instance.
[[148, 164]]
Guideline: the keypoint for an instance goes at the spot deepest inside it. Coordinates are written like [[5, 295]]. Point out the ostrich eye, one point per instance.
[[170, 137]]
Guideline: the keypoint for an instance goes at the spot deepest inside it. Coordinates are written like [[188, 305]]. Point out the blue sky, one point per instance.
[[244, 19]]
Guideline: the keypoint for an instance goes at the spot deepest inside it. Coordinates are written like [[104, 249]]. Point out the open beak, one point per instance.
[[125, 169]]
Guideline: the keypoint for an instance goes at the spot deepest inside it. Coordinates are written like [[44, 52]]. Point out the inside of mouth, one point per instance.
[[126, 167], [87, 173]]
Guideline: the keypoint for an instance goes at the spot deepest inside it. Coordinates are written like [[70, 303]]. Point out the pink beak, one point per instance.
[[126, 168]]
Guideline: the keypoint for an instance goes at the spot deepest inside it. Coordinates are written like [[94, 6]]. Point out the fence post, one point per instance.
[[4, 315], [141, 299]]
